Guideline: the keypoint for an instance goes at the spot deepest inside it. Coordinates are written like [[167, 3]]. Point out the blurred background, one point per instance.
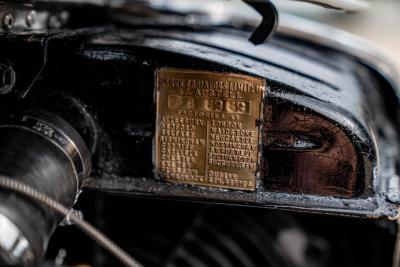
[[375, 20], [379, 23]]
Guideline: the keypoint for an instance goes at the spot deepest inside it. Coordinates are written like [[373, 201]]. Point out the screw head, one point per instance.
[[31, 18], [8, 21]]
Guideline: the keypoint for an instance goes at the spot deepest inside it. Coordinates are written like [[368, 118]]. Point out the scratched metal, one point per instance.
[[207, 130]]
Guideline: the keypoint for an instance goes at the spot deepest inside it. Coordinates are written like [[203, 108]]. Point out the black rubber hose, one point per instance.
[[104, 241]]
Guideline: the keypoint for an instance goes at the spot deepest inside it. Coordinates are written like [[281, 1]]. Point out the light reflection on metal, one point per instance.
[[236, 13], [328, 36], [13, 244]]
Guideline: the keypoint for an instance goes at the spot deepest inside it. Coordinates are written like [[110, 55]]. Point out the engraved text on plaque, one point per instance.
[[207, 129]]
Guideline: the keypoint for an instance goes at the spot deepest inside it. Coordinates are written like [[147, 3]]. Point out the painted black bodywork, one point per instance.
[[98, 74], [101, 80]]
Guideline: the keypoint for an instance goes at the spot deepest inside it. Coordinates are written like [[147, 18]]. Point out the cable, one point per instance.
[[90, 230]]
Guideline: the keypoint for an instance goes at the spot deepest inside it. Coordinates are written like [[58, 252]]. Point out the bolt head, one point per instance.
[[8, 21], [31, 18]]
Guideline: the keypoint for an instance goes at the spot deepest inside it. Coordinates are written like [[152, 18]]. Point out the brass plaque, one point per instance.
[[206, 128]]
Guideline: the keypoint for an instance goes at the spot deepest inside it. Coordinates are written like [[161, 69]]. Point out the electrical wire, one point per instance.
[[86, 227]]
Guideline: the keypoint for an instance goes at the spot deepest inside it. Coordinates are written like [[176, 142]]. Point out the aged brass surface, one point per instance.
[[207, 129]]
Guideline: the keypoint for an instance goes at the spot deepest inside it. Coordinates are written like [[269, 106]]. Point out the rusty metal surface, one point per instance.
[[207, 129]]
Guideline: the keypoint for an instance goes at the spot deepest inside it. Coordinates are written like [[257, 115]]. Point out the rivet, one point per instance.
[[31, 18], [8, 21]]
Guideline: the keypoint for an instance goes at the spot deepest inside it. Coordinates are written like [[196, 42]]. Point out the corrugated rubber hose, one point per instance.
[[105, 242]]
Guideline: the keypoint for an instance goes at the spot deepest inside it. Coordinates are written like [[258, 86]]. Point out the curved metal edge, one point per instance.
[[237, 13], [336, 39], [375, 207], [14, 246]]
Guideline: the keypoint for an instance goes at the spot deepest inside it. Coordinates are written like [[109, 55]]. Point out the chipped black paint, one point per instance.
[[102, 81]]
